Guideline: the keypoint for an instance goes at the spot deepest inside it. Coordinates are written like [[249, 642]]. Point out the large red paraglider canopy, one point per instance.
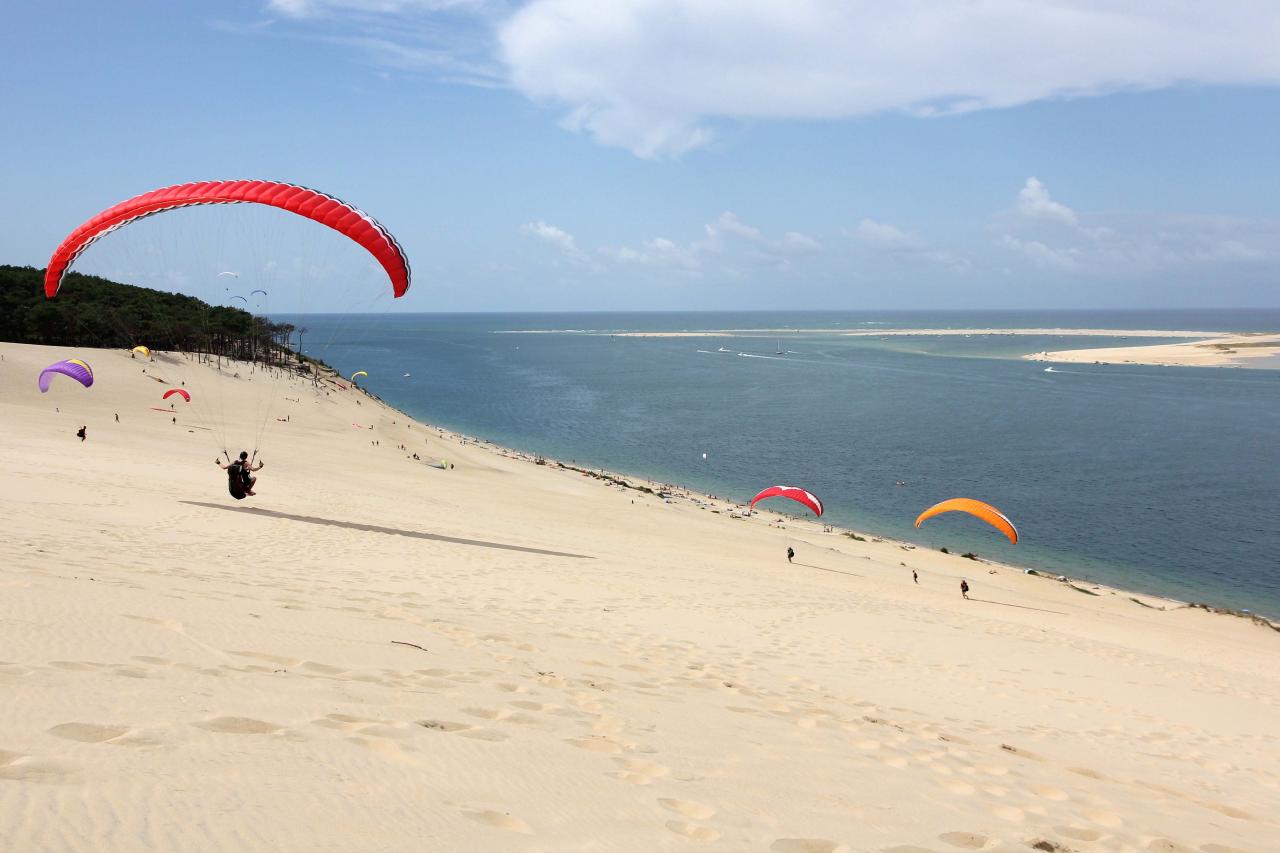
[[317, 206], [795, 493]]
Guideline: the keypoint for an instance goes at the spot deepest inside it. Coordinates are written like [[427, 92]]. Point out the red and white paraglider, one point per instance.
[[795, 493], [325, 209], [181, 392]]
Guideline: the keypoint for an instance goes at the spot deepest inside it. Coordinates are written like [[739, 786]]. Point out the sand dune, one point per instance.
[[374, 654], [1256, 350]]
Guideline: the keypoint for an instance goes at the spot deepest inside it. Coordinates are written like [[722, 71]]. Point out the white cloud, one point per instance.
[[880, 235], [562, 240], [312, 8], [1040, 254], [891, 241], [653, 75], [1034, 202], [794, 241]]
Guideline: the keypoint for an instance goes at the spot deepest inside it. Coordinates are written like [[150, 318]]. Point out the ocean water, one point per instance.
[[1154, 479]]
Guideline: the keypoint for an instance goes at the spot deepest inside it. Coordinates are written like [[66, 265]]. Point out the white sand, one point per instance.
[[184, 672], [1252, 350]]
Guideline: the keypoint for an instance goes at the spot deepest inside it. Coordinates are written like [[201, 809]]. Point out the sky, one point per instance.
[[663, 155]]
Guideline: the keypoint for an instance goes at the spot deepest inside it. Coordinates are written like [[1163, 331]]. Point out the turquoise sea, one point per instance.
[[1157, 479]]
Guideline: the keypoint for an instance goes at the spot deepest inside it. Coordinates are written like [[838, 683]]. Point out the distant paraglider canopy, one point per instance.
[[978, 509], [795, 493], [71, 367], [181, 392], [230, 273], [325, 209], [145, 352], [364, 373]]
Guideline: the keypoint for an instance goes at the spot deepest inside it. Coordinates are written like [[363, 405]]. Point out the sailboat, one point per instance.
[[779, 349]]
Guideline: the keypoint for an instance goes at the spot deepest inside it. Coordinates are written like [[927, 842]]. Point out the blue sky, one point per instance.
[[652, 154]]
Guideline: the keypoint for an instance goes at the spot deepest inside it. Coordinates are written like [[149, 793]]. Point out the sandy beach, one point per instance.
[[1255, 350], [376, 654]]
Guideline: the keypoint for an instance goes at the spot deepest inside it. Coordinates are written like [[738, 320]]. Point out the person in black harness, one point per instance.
[[240, 479]]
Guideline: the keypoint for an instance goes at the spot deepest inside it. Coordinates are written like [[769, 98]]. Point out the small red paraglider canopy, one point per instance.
[[795, 493], [180, 391]]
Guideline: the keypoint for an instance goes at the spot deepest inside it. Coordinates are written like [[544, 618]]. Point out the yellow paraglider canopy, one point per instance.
[[978, 509], [145, 352], [359, 373]]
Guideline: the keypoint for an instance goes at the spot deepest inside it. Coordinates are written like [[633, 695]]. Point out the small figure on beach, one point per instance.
[[80, 433], [964, 589], [117, 417], [915, 577], [790, 553]]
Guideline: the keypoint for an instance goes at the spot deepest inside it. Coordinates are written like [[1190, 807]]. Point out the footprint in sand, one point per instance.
[[238, 726], [88, 732], [1078, 833], [596, 744], [1009, 813], [637, 771], [498, 820], [44, 771], [1020, 752], [323, 668], [692, 831], [1111, 820], [487, 713], [443, 726], [957, 786], [967, 840], [483, 734], [1164, 845], [806, 845], [688, 808], [386, 748], [1049, 792], [1087, 772]]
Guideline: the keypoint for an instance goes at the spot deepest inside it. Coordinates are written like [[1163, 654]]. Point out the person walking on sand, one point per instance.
[[915, 577], [80, 433], [964, 589], [790, 553]]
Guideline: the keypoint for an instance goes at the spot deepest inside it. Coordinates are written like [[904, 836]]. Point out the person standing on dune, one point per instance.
[[80, 433], [964, 589], [790, 553]]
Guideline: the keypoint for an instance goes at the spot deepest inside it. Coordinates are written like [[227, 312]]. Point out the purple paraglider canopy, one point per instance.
[[72, 367]]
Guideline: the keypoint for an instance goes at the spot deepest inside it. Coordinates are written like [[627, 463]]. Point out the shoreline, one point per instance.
[[871, 333], [719, 505]]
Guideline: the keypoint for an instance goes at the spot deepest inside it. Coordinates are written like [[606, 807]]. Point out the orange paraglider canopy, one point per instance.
[[978, 509]]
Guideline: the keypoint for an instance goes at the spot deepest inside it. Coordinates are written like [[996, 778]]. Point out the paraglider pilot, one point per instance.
[[240, 479]]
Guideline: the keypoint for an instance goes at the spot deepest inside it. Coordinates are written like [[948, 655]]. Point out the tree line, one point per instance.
[[90, 311]]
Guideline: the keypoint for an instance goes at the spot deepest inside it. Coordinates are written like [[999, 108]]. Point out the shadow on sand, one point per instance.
[[390, 531], [1019, 606], [837, 571]]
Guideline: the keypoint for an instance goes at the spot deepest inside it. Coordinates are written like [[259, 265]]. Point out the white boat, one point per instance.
[[779, 350], [724, 349]]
